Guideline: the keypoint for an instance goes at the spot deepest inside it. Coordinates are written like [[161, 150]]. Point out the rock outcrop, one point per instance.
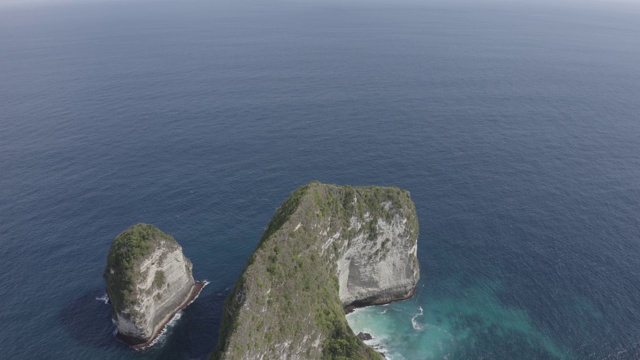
[[148, 280], [327, 248]]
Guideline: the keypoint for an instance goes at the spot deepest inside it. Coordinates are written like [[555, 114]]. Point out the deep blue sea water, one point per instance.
[[515, 125]]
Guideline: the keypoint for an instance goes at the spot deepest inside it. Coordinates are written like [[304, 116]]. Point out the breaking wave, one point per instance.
[[161, 338], [416, 325], [104, 298]]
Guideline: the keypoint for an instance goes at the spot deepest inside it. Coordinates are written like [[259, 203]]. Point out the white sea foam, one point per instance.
[[367, 320], [416, 325], [104, 298], [161, 338], [395, 356], [115, 328], [206, 282]]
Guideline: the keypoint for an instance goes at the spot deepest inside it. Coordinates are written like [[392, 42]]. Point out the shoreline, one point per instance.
[[363, 304], [379, 348], [136, 345]]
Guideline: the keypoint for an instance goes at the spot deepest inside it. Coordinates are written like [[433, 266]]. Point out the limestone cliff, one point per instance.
[[148, 279], [326, 248]]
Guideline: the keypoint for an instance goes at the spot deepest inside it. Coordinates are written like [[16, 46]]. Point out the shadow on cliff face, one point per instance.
[[87, 319]]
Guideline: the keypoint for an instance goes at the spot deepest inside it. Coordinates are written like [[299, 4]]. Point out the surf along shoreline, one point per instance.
[[137, 345]]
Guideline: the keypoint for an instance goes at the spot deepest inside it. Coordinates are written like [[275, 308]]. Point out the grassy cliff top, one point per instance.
[[125, 253], [288, 292]]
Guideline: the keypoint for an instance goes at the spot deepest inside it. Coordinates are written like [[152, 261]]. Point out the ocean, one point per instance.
[[515, 125]]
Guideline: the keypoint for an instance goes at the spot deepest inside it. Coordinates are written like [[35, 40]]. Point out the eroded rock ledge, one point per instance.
[[148, 280], [327, 248]]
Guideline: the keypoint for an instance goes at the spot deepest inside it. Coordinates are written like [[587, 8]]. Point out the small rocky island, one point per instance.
[[327, 250], [148, 281]]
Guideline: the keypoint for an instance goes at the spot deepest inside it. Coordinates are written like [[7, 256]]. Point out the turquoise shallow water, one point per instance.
[[515, 125], [454, 328]]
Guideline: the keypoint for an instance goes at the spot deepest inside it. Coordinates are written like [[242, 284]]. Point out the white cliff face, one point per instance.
[[327, 248], [157, 299], [380, 269], [148, 280]]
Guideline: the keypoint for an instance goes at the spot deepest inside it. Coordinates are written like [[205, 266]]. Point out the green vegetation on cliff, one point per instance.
[[126, 251], [287, 298]]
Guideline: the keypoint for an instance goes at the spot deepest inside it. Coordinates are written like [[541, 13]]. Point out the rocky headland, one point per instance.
[[326, 250], [148, 281]]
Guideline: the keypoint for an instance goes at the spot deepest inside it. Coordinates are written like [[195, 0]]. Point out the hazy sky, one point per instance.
[[623, 5], [577, 2]]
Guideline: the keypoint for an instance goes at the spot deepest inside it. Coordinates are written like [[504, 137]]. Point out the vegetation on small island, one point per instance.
[[288, 292], [127, 249], [158, 279]]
